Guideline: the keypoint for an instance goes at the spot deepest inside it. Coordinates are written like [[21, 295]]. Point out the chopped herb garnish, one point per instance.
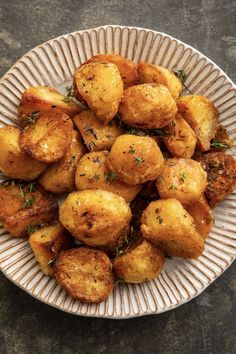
[[90, 130], [91, 146], [31, 118], [217, 145], [110, 176], [172, 186], [51, 262], [131, 150], [138, 160], [182, 76], [69, 94], [30, 229], [183, 176], [32, 187], [26, 203], [160, 179]]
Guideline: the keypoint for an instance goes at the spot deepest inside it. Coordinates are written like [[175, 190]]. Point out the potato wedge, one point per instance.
[[47, 243], [101, 86], [48, 138], [85, 274], [14, 162], [202, 116], [168, 225], [96, 135]]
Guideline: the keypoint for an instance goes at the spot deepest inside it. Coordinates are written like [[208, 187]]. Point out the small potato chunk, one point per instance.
[[96, 135], [147, 106], [202, 116], [92, 173], [180, 139], [168, 225], [101, 86], [24, 206], [40, 99], [14, 162], [60, 176], [47, 243], [142, 262], [221, 176], [48, 138], [96, 217], [182, 179], [135, 159], [85, 274], [156, 74], [202, 216]]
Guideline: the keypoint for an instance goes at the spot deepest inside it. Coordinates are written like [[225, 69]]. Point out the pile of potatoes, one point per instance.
[[139, 166]]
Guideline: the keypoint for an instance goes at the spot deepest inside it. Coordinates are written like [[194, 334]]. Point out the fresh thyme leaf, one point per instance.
[[69, 94], [180, 74], [172, 186], [32, 187], [27, 203], [90, 130], [51, 262], [183, 176], [217, 145], [138, 160], [31, 118], [30, 229], [110, 176], [160, 179], [131, 150]]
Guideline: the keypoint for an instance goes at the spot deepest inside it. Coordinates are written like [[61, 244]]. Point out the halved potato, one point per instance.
[[48, 138], [85, 274], [14, 162]]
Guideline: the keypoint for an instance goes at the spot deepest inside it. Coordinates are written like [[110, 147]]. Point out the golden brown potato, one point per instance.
[[147, 106], [142, 262], [96, 217], [221, 176], [92, 173], [96, 135], [40, 99], [22, 207], [168, 225], [183, 179], [202, 216], [47, 243], [60, 176], [85, 274], [14, 162], [156, 74], [202, 116], [135, 159], [48, 138], [180, 139], [101, 86]]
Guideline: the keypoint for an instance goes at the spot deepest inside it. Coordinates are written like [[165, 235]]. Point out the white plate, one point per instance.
[[53, 64]]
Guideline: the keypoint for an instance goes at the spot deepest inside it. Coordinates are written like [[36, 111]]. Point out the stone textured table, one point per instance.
[[206, 324]]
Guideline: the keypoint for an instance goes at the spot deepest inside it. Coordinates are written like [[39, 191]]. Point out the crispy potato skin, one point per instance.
[[148, 73], [48, 138], [181, 139], [168, 225], [85, 274], [92, 173], [135, 159], [97, 136], [15, 218], [43, 99], [47, 243], [202, 216], [202, 116], [182, 179], [14, 162], [101, 86], [96, 217], [221, 176], [60, 176], [147, 106], [140, 263]]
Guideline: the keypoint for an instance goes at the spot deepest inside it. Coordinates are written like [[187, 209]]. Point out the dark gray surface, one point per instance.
[[205, 325]]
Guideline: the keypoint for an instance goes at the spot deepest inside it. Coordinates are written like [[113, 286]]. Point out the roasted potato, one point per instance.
[[182, 179], [14, 162], [92, 173], [101, 86], [221, 176], [147, 106], [202, 216], [48, 138], [47, 243], [168, 225], [148, 73], [40, 99], [85, 274], [142, 262], [179, 138], [96, 217], [135, 159], [96, 135], [202, 116], [60, 176], [22, 207]]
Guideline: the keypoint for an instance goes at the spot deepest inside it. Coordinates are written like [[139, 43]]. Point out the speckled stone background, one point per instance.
[[206, 324]]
